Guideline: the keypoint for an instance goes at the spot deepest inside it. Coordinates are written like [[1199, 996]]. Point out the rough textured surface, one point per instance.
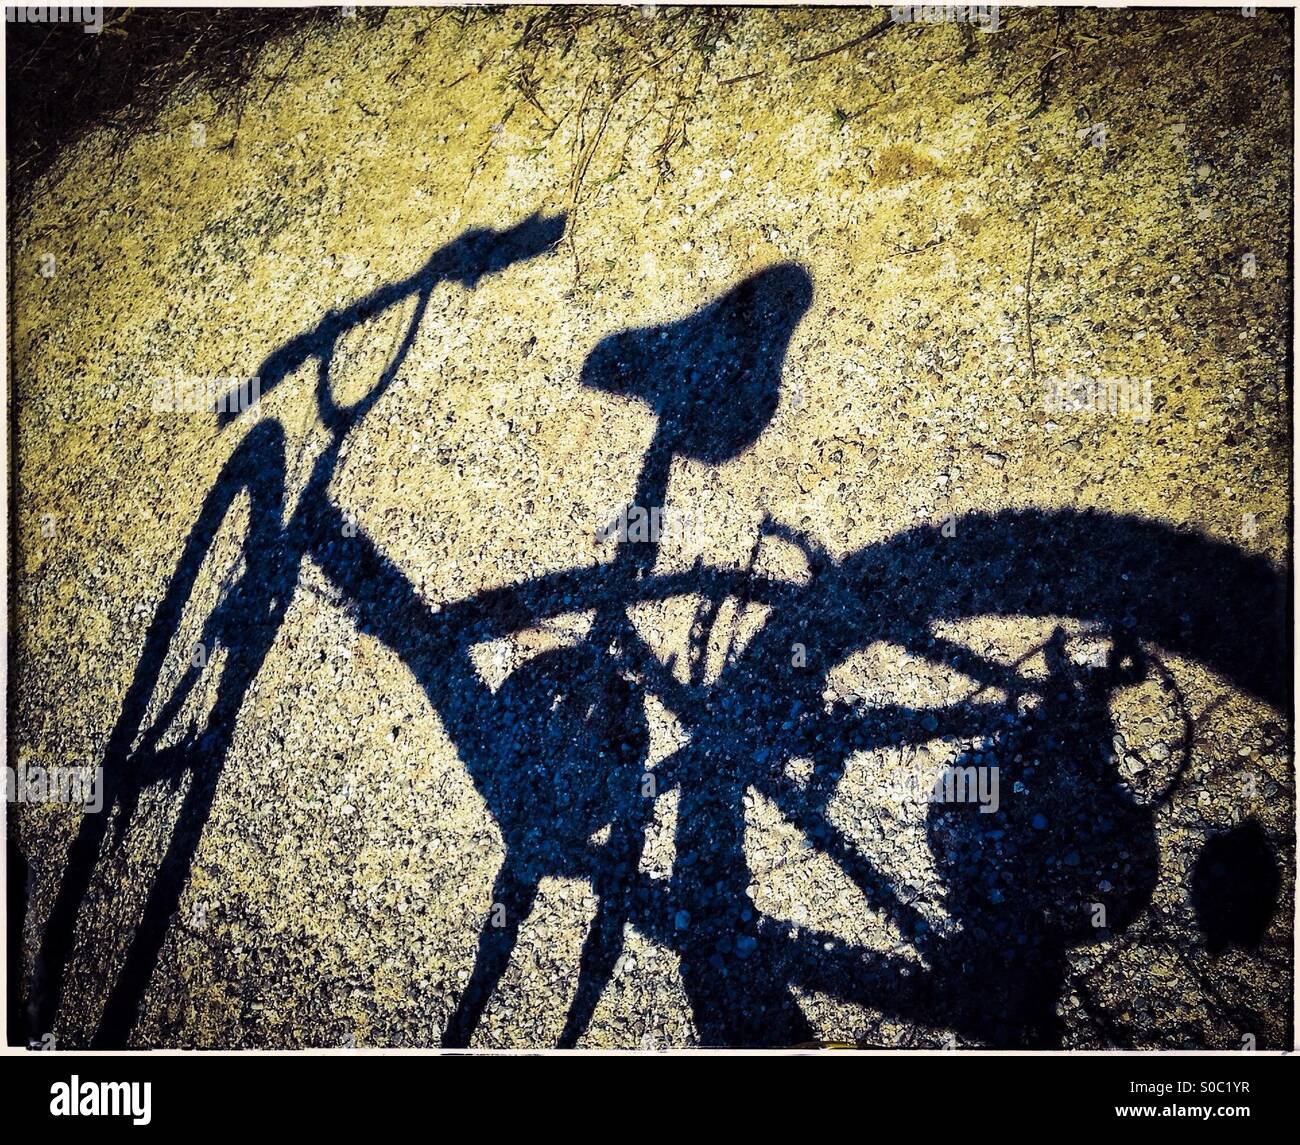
[[346, 870]]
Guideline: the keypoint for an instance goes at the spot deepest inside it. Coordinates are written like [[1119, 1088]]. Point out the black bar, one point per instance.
[[931, 1091]]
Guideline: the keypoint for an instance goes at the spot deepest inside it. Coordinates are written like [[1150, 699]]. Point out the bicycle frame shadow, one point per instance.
[[558, 752]]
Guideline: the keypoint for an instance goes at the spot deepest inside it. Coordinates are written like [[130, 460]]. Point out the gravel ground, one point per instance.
[[381, 784]]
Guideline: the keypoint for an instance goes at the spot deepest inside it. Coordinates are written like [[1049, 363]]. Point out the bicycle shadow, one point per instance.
[[559, 750]]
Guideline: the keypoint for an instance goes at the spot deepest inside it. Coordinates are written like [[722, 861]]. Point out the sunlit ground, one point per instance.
[[1096, 196]]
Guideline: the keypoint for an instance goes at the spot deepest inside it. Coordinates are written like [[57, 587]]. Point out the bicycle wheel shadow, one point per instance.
[[244, 625], [238, 633], [1070, 857], [558, 752]]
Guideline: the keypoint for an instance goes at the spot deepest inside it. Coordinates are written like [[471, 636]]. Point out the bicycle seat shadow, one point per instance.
[[714, 377]]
